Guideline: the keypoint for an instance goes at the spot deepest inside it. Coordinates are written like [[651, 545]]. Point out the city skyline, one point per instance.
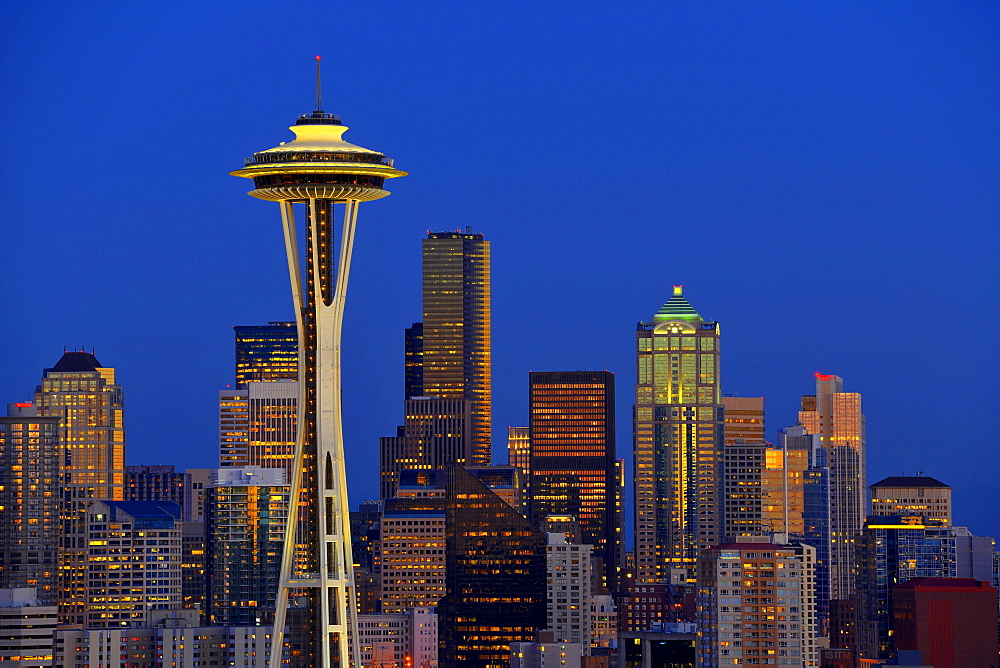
[[820, 210]]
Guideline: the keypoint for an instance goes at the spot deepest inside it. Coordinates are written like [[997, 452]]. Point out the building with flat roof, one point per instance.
[[26, 629], [756, 604], [266, 353], [30, 496], [572, 459], [951, 621], [456, 329], [133, 567], [912, 495]]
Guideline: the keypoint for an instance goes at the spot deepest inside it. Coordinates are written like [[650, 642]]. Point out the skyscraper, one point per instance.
[[678, 438], [329, 177], [247, 510], [496, 576], [266, 352], [836, 417], [456, 327], [257, 425], [83, 392], [572, 462], [30, 500], [436, 432]]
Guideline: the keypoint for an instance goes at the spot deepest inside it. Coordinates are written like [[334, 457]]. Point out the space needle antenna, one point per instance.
[[319, 88]]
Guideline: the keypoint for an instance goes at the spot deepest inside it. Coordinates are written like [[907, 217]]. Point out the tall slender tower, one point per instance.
[[456, 327], [836, 417], [678, 440], [328, 177], [92, 460]]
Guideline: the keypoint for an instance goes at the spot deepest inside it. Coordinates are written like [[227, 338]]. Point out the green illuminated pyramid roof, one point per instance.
[[677, 308]]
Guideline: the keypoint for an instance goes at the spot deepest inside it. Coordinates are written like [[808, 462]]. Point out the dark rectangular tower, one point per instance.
[[266, 352], [496, 576], [572, 461]]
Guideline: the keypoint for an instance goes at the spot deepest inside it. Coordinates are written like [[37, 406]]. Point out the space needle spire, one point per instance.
[[326, 179]]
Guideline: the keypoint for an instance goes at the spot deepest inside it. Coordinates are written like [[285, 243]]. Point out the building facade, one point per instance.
[[26, 629], [266, 353], [572, 459], [413, 557], [912, 495], [496, 577], [755, 605], [456, 348], [678, 440], [133, 569], [84, 393], [257, 424], [247, 511], [403, 640], [951, 621], [836, 417], [436, 432], [30, 495], [569, 615], [744, 419]]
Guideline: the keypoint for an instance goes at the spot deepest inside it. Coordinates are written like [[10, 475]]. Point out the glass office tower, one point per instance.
[[678, 439]]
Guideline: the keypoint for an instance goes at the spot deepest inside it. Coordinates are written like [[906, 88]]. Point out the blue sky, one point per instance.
[[821, 177]]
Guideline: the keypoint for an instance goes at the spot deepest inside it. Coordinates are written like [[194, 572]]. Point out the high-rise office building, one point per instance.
[[83, 392], [744, 419], [572, 461], [266, 352], [257, 425], [912, 495], [812, 525], [247, 511], [496, 575], [456, 328], [133, 568], [519, 455], [413, 361], [159, 482], [678, 439], [742, 475], [435, 433], [329, 178], [30, 500], [836, 417], [896, 548], [413, 542]]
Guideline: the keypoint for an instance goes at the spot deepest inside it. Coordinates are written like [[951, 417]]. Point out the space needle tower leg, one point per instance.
[[325, 173]]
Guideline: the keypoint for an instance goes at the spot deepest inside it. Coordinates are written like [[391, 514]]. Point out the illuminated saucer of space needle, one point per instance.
[[318, 163]]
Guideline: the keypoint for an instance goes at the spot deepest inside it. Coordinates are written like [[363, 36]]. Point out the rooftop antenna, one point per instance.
[[319, 89]]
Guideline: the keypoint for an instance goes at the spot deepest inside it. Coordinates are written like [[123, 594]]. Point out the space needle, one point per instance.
[[328, 178]]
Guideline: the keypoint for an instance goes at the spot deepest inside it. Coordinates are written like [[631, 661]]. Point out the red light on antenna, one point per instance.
[[317, 59]]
